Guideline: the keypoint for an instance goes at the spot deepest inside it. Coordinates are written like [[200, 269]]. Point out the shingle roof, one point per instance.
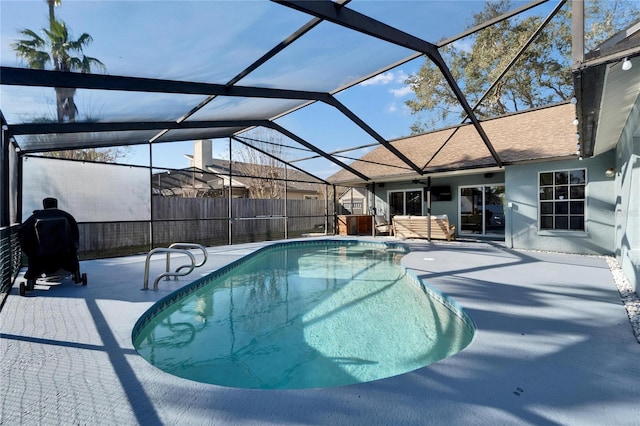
[[296, 180], [543, 133]]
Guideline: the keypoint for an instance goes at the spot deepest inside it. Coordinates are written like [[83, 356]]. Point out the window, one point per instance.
[[354, 207], [562, 199], [405, 202]]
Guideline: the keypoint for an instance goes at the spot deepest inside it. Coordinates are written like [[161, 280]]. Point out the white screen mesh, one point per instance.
[[90, 192]]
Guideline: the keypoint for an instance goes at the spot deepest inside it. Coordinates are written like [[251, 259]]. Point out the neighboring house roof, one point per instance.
[[173, 182], [296, 180], [542, 133]]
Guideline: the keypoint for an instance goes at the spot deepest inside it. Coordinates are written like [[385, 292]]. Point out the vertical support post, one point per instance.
[[20, 173], [335, 212], [286, 199], [326, 209], [351, 194], [5, 220], [230, 213], [577, 33], [428, 194], [373, 208], [151, 242]]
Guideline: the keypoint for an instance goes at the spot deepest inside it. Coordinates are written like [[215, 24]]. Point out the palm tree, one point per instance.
[[60, 53], [52, 4]]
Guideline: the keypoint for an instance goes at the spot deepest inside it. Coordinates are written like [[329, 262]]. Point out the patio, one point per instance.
[[553, 346]]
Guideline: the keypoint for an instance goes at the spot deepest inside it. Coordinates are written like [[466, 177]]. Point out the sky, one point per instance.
[[150, 39]]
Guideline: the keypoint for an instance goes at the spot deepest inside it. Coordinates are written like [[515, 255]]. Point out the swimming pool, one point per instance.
[[303, 315]]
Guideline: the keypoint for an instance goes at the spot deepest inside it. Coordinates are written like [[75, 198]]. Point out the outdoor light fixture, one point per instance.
[[626, 64], [610, 172], [575, 122]]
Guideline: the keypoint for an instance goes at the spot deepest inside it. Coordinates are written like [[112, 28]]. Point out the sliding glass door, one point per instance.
[[482, 210]]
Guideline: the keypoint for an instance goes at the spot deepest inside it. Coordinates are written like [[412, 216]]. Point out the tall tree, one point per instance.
[[58, 49], [52, 5], [542, 74], [267, 172]]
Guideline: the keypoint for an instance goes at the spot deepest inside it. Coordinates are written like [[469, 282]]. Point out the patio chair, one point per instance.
[[382, 225]]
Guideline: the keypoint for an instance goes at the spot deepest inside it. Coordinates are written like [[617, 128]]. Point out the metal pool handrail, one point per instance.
[[187, 246], [167, 274]]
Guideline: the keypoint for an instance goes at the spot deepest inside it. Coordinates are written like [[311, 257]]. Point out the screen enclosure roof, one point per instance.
[[188, 70]]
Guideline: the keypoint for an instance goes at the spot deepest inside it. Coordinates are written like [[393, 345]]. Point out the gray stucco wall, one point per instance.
[[522, 214], [628, 200]]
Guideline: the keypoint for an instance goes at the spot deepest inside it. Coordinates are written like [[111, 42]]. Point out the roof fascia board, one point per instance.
[[620, 36], [628, 49], [358, 22], [47, 78]]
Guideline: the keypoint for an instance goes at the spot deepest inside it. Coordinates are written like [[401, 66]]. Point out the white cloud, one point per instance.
[[401, 92], [380, 79], [392, 107]]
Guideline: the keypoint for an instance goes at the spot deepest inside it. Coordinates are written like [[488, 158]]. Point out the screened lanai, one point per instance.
[[231, 72]]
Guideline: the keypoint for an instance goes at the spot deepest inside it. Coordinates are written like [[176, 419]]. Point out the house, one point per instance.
[[353, 200], [461, 178], [212, 177], [570, 174]]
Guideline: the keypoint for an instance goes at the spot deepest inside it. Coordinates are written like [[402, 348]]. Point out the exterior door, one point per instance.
[[482, 210]]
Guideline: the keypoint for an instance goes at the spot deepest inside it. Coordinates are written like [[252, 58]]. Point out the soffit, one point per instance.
[[620, 92]]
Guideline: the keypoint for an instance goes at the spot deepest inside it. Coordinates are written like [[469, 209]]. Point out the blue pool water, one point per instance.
[[303, 315]]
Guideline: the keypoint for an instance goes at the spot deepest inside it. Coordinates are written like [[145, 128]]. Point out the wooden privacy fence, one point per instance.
[[206, 221]]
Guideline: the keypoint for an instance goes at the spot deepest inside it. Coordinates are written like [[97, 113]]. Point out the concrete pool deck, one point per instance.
[[553, 346]]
